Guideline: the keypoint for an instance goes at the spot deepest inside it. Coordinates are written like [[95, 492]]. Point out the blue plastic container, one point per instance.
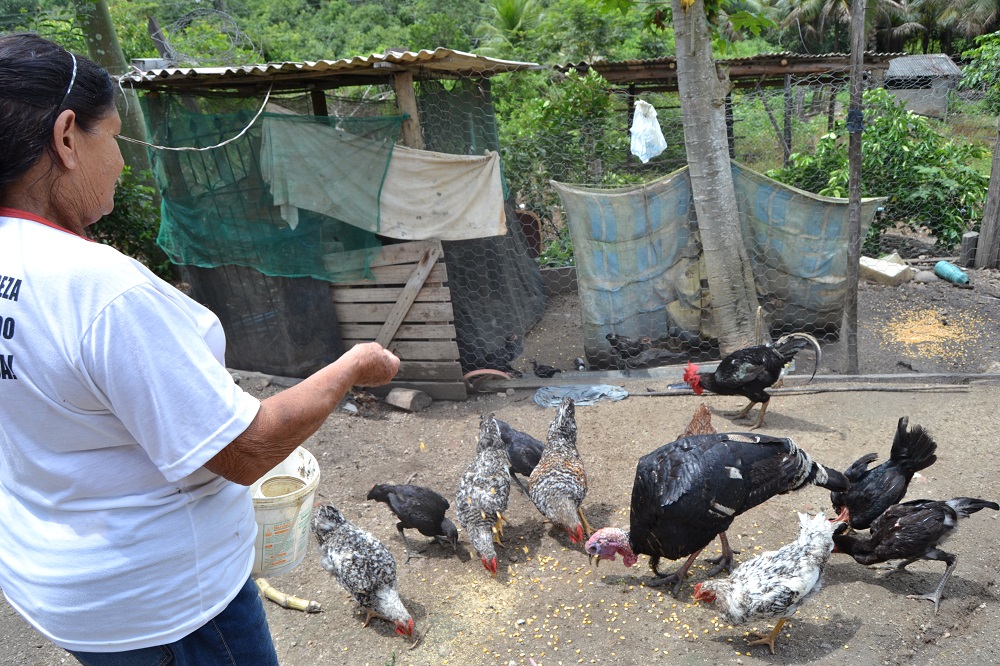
[[950, 272]]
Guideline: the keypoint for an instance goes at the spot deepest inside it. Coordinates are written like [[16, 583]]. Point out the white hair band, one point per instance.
[[72, 80]]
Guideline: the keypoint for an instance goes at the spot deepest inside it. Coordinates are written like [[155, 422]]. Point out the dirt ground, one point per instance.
[[548, 604]]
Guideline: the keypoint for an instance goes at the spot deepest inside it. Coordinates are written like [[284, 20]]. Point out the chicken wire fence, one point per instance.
[[586, 222], [628, 225]]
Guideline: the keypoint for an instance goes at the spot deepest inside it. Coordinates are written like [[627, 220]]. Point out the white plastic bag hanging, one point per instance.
[[647, 139]]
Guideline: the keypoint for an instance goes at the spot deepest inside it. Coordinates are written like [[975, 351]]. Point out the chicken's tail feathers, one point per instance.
[[791, 344], [966, 506], [828, 478], [913, 447], [563, 427]]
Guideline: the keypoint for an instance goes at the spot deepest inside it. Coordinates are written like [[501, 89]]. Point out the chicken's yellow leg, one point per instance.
[[588, 530], [743, 412], [760, 417], [768, 639]]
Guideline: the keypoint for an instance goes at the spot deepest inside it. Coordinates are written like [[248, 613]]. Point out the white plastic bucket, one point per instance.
[[282, 506]]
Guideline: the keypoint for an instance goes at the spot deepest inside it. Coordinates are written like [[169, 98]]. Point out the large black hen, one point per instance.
[[523, 452], [913, 531], [417, 508], [875, 490], [751, 370], [688, 491]]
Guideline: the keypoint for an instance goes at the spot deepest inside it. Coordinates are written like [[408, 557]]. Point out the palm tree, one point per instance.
[[513, 21]]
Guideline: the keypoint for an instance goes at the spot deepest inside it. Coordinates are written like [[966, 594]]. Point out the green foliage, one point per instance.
[[982, 71], [132, 227], [926, 176], [558, 252], [566, 132]]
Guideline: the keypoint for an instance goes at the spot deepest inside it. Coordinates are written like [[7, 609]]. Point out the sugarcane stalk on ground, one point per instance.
[[287, 600]]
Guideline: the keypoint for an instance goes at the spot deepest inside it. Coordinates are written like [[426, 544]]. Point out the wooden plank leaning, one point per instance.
[[410, 291]]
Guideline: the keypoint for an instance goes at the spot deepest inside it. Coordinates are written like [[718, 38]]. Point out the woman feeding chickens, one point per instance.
[[126, 445]]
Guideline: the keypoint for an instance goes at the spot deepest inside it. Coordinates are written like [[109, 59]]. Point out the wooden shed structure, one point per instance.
[[407, 300], [924, 82]]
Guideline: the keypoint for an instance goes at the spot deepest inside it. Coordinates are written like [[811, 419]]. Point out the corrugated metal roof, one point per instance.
[[934, 64], [765, 69], [378, 67], [599, 63]]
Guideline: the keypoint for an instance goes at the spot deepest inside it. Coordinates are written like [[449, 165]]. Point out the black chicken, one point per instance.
[[417, 508], [624, 348], [523, 452], [913, 531], [544, 371], [687, 492], [751, 370], [875, 490], [501, 358]]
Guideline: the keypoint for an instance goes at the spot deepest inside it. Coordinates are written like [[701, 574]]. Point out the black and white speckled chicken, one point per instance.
[[523, 452], [417, 508], [751, 370], [913, 531], [688, 491], [483, 492], [362, 565], [774, 584], [875, 490], [558, 484]]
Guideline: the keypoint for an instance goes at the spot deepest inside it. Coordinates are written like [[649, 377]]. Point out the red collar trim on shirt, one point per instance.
[[25, 215]]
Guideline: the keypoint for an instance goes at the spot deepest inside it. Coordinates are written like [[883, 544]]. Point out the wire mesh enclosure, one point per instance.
[[582, 218]]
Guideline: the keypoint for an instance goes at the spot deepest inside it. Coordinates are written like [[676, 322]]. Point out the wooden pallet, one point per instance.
[[407, 308]]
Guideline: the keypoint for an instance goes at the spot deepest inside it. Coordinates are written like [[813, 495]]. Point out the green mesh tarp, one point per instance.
[[640, 266], [218, 205]]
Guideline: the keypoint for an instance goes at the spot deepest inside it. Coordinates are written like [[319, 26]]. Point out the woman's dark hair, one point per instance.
[[35, 88]]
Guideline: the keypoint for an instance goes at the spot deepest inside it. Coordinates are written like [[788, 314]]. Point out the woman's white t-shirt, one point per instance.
[[113, 395]]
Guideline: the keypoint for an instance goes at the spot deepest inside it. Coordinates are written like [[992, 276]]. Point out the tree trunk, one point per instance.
[[855, 125], [103, 48], [988, 248], [703, 95]]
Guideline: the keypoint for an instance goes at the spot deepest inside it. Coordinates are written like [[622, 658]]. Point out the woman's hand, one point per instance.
[[373, 364]]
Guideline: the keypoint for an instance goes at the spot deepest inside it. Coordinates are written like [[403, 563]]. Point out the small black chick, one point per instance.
[[913, 531], [523, 452], [544, 371], [417, 508], [874, 490], [581, 365]]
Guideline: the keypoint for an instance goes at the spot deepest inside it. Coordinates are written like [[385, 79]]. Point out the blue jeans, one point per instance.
[[238, 636]]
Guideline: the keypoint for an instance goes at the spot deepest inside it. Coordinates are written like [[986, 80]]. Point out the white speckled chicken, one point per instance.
[[558, 484], [362, 565], [483, 492], [774, 584]]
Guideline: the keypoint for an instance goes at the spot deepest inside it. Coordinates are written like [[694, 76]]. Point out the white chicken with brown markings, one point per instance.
[[362, 565], [483, 493], [558, 484], [774, 584]]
